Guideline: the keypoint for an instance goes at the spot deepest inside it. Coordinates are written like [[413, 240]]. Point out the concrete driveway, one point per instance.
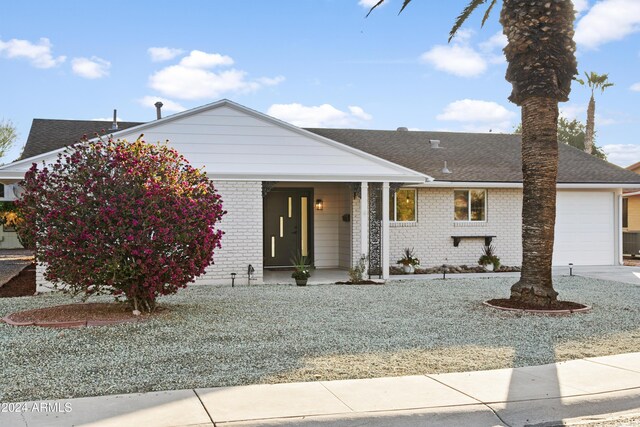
[[617, 273]]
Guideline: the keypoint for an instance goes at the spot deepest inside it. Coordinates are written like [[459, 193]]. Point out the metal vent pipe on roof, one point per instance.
[[114, 125], [445, 169], [435, 143], [158, 109]]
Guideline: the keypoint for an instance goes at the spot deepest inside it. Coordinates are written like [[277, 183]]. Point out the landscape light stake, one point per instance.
[[444, 271], [570, 269], [233, 279]]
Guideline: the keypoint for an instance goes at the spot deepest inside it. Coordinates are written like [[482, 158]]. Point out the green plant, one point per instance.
[[489, 257], [408, 258], [356, 272], [302, 265]]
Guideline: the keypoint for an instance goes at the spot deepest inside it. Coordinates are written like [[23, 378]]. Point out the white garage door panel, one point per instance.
[[584, 228]]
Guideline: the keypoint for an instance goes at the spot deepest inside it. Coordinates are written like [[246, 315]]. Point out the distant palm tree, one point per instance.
[[594, 81], [541, 65]]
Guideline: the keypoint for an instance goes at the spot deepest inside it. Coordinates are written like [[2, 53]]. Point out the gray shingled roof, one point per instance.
[[48, 135], [482, 157]]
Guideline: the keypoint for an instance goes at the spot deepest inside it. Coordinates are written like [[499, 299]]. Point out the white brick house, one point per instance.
[[336, 194]]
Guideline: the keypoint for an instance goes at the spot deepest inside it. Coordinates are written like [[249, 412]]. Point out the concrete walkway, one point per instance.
[[590, 389]]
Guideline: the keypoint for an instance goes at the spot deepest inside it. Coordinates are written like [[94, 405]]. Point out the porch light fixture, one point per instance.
[[319, 204]]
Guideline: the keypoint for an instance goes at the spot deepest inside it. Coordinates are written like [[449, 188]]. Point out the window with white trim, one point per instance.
[[470, 205], [402, 205]]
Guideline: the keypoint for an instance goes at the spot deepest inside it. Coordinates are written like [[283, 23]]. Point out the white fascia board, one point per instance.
[[562, 185], [635, 193], [408, 179]]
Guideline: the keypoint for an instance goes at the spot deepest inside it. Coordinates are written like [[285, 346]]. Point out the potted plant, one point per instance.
[[408, 261], [302, 266], [489, 260]]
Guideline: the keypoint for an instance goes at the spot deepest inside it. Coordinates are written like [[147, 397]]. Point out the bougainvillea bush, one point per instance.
[[130, 219]]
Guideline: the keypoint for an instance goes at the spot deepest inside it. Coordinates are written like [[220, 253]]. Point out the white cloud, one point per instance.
[[159, 54], [370, 3], [622, 154], [39, 54], [456, 59], [635, 87], [324, 115], [200, 59], [167, 104], [462, 59], [108, 119], [496, 41], [572, 111], [90, 68], [606, 21], [359, 112], [478, 115], [191, 78], [580, 5]]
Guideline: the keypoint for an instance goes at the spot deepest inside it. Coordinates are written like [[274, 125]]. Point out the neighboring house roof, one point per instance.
[[634, 167], [473, 157], [48, 135]]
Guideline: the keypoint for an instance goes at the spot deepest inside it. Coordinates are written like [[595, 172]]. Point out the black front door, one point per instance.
[[288, 225]]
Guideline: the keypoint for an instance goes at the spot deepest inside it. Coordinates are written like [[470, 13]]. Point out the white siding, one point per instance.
[[228, 141]]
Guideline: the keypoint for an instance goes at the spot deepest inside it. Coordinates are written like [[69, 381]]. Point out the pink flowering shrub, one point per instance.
[[129, 219]]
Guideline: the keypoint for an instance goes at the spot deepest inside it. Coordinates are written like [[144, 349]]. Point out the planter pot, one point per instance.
[[409, 269], [301, 282], [489, 267]]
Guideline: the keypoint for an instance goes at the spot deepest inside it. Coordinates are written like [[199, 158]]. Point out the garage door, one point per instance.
[[584, 228]]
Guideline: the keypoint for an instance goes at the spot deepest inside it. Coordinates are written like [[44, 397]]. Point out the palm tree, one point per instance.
[[594, 81], [541, 65]]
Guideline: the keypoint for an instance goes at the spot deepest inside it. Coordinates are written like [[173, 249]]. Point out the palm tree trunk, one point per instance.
[[591, 124], [540, 170]]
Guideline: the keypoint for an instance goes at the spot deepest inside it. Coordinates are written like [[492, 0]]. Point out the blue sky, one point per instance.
[[310, 62]]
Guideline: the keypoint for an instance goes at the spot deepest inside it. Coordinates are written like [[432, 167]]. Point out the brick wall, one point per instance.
[[430, 235], [242, 241]]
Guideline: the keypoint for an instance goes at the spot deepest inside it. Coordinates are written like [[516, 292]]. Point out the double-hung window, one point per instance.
[[470, 205]]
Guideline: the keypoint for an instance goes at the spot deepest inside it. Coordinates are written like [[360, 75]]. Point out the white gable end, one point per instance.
[[234, 144]]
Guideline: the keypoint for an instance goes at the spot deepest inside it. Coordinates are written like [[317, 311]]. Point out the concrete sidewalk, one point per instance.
[[595, 388]]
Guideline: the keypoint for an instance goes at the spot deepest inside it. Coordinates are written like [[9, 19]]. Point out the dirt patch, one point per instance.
[[364, 282], [559, 307], [75, 315], [24, 284]]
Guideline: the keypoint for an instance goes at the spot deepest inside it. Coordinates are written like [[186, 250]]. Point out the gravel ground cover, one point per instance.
[[220, 336]]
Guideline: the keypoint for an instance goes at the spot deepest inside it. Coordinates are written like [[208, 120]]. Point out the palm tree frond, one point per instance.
[[473, 5], [374, 6], [488, 12], [404, 4]]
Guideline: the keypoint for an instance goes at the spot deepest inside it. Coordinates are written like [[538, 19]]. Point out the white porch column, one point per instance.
[[385, 230], [364, 222]]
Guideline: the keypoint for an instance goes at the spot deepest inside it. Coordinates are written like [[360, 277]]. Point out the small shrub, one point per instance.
[[356, 272], [129, 219], [302, 265], [489, 257]]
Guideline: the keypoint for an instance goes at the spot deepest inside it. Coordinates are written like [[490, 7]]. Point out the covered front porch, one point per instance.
[[334, 224]]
